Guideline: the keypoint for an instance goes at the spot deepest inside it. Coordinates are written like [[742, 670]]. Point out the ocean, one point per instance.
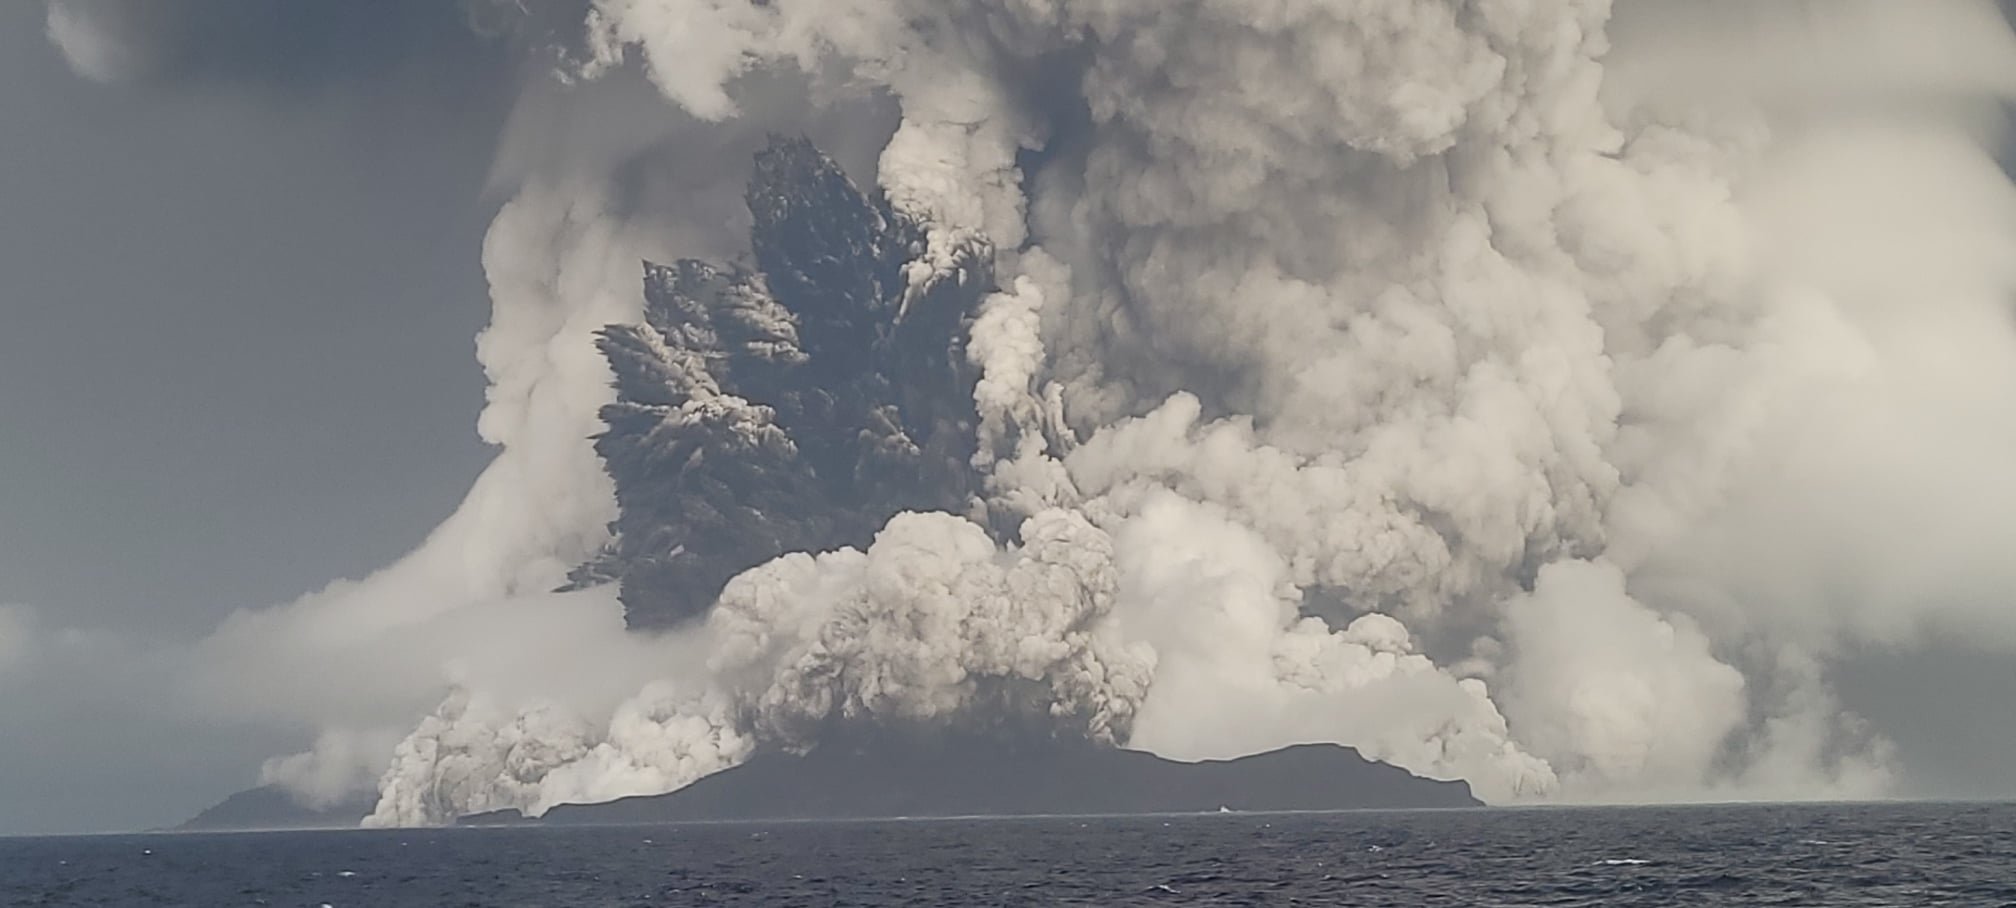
[[1834, 855]]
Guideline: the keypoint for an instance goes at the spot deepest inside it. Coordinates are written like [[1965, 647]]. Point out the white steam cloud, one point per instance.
[[342, 763], [1534, 393]]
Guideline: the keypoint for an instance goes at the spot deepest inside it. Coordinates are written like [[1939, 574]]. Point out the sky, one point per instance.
[[237, 363], [238, 303]]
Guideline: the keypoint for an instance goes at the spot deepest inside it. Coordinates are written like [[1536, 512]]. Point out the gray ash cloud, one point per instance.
[[1549, 354], [793, 406]]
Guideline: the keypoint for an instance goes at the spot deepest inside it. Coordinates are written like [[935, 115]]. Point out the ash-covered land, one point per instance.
[[273, 808], [940, 774], [968, 776]]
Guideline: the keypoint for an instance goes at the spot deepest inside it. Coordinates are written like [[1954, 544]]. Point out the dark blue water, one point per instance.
[[1890, 855]]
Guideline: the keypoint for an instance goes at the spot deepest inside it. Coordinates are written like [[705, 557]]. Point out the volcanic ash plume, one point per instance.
[[859, 401], [931, 622], [1209, 377], [792, 408]]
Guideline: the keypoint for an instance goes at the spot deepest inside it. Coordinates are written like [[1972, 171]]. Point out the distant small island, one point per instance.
[[950, 777], [271, 808], [986, 778]]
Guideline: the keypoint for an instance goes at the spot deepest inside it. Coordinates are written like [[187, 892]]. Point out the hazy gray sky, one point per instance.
[[237, 363], [239, 329]]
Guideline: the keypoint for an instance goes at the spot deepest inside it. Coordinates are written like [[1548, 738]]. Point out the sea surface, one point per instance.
[[1901, 855]]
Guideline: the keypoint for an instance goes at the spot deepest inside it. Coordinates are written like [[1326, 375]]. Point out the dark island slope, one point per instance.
[[988, 779], [976, 777], [269, 807]]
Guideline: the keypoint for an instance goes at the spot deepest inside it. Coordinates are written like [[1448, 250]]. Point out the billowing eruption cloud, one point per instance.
[[1455, 381], [794, 408]]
